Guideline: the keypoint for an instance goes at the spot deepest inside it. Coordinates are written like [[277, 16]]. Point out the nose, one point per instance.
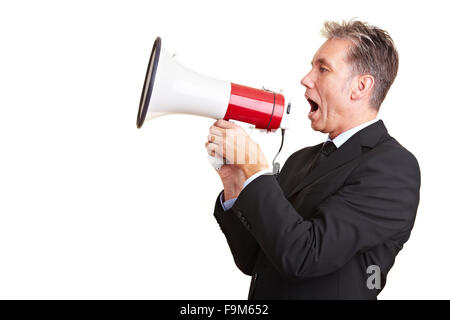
[[307, 81]]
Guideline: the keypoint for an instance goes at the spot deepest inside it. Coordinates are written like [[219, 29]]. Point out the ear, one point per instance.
[[362, 87]]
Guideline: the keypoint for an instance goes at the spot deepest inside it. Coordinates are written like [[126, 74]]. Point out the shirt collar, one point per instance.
[[344, 136]]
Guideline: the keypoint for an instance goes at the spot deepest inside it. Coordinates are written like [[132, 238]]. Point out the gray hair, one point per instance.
[[373, 52]]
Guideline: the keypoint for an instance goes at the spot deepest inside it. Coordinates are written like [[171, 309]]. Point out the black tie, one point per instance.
[[327, 149]]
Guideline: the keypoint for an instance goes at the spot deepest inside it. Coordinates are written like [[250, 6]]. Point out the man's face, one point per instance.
[[328, 88]]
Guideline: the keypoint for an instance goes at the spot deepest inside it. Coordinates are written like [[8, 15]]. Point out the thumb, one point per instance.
[[224, 124]]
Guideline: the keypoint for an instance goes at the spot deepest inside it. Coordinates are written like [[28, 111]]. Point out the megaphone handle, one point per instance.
[[216, 162]]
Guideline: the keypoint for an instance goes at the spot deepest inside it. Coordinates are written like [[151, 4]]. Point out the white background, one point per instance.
[[91, 207]]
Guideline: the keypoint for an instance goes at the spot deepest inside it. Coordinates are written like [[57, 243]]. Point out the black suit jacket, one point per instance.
[[313, 236]]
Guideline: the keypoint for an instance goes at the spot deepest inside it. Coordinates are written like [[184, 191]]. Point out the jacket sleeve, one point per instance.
[[378, 203], [243, 246]]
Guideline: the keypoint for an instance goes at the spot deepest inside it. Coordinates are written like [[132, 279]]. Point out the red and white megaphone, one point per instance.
[[169, 87]]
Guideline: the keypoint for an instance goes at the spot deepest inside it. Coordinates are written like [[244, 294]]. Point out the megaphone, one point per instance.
[[169, 87]]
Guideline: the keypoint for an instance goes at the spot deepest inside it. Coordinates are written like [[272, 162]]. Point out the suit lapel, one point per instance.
[[350, 150]]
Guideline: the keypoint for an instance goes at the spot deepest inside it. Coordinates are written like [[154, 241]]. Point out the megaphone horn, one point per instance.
[[169, 87]]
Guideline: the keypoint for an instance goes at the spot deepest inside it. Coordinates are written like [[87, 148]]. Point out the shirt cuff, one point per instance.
[[226, 205], [253, 177]]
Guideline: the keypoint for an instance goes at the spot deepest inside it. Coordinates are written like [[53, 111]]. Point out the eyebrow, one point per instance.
[[323, 61]]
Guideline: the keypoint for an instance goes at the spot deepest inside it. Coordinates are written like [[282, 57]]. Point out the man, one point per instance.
[[330, 225]]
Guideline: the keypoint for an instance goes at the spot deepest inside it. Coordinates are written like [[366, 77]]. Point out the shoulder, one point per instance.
[[389, 157], [390, 149]]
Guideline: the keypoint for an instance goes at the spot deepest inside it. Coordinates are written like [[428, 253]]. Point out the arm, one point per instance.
[[243, 246], [235, 176], [378, 203]]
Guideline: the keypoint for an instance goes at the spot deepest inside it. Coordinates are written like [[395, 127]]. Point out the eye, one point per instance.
[[322, 69]]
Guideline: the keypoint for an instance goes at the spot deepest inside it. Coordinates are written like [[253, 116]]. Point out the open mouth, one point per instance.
[[313, 104]]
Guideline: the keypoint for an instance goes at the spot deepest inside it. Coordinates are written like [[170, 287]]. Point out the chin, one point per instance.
[[315, 127]]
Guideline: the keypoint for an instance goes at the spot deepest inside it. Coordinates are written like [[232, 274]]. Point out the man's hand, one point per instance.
[[242, 156], [232, 179]]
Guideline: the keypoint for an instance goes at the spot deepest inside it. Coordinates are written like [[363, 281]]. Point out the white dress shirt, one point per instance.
[[338, 141]]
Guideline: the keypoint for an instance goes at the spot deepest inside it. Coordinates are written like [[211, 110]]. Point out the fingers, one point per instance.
[[215, 139], [213, 149], [230, 142], [217, 131], [224, 124], [216, 135]]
